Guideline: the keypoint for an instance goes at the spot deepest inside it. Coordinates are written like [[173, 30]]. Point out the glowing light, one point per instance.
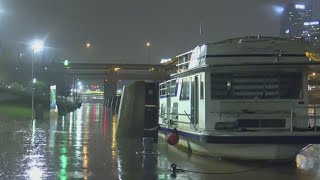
[[113, 137], [300, 6], [148, 44], [34, 80], [35, 173], [313, 56], [287, 31], [63, 121], [311, 23], [116, 69], [66, 63], [37, 46], [33, 131], [88, 45], [278, 9], [63, 163], [313, 74], [165, 61]]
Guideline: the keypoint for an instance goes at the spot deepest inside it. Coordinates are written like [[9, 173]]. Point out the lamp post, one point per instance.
[[37, 46], [148, 44], [66, 64]]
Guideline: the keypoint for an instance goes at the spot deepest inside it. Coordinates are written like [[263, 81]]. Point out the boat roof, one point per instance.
[[257, 50]]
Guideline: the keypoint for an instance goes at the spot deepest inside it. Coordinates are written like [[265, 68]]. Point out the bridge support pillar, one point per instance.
[[110, 89]]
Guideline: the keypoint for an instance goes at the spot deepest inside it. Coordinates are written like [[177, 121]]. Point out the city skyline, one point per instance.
[[299, 19]]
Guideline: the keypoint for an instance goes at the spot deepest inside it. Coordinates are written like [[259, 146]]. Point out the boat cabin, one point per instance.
[[242, 84]]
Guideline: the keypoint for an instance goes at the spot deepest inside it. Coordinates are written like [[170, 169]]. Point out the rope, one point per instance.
[[174, 170], [219, 173]]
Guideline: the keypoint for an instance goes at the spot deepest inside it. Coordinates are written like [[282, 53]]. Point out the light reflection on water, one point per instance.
[[83, 145]]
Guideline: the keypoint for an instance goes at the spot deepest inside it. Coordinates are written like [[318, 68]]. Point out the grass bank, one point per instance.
[[18, 112], [20, 106]]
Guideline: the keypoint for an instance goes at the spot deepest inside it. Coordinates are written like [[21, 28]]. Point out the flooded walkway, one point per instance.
[[83, 145]]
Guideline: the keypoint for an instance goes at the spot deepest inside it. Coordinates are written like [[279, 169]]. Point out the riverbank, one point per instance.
[[19, 112], [16, 105]]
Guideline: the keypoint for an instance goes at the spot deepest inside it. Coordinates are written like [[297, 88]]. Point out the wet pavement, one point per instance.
[[83, 145]]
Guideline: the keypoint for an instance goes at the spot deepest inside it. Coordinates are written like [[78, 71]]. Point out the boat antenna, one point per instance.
[[200, 32]]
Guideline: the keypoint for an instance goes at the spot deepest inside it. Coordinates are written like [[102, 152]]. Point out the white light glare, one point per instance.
[[165, 60], [34, 80], [35, 173], [278, 9], [37, 46]]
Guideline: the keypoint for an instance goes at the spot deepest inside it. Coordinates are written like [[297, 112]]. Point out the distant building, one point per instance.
[[293, 19], [311, 32], [300, 19]]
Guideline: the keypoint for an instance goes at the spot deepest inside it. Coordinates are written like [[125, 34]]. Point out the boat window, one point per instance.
[[201, 87], [168, 88], [275, 85], [173, 87], [183, 62], [185, 89], [162, 90]]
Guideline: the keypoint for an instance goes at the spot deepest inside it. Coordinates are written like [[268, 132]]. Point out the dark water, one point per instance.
[[83, 146]]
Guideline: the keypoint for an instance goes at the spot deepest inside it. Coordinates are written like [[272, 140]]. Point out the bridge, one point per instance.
[[110, 74]]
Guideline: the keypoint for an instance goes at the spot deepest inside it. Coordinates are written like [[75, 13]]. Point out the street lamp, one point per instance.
[[66, 64], [148, 44], [37, 46], [88, 45]]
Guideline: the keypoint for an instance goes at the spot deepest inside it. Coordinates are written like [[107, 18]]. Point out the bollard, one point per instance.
[[174, 170]]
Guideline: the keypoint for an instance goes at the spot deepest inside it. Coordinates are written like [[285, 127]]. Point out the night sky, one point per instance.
[[119, 29]]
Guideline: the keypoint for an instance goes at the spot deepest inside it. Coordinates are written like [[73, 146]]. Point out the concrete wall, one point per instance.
[[131, 111]]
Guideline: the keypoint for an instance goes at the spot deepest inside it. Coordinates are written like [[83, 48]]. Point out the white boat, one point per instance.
[[242, 98]]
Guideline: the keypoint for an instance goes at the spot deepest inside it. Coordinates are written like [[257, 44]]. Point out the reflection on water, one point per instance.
[[83, 145], [113, 136]]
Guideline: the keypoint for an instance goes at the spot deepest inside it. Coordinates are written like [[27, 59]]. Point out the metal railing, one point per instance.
[[298, 118], [165, 118]]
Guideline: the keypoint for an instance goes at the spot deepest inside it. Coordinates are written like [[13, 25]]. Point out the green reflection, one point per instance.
[[63, 162], [63, 150], [164, 177]]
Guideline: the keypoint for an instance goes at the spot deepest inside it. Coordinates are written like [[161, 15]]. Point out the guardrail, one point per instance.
[[167, 118], [298, 118]]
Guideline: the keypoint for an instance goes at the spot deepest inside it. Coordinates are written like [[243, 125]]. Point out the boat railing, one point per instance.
[[302, 118], [170, 118]]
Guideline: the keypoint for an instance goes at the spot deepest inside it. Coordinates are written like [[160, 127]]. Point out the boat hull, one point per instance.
[[271, 152]]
